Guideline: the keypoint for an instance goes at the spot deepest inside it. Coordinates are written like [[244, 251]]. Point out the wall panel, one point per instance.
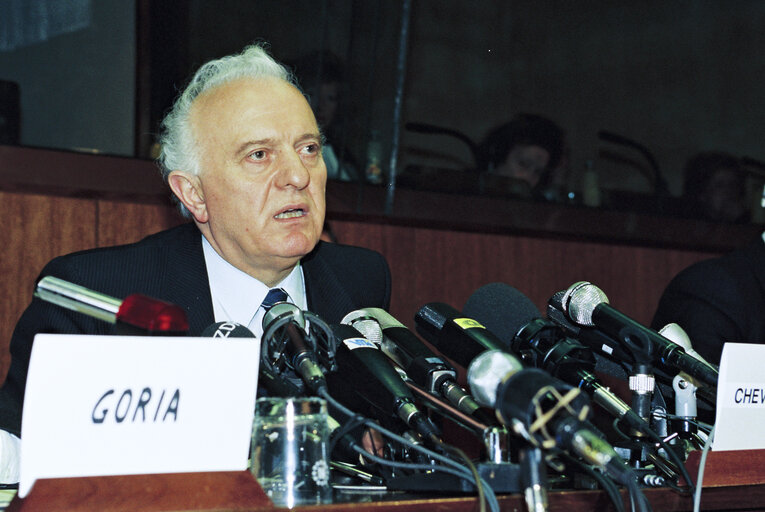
[[38, 228], [448, 266]]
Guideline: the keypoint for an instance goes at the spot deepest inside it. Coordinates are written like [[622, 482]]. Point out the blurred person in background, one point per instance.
[[526, 148], [715, 187], [321, 75]]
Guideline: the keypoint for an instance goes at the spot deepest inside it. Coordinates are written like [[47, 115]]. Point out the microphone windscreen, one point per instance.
[[502, 309], [227, 330]]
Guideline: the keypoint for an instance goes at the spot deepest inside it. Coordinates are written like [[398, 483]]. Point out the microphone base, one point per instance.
[[504, 478]]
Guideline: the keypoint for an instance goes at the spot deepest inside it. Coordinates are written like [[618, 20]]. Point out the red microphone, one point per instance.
[[137, 314]]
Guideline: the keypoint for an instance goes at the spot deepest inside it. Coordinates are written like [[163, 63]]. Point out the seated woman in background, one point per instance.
[[526, 148]]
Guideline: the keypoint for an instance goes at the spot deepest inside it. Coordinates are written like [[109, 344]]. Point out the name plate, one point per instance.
[[122, 405], [740, 416]]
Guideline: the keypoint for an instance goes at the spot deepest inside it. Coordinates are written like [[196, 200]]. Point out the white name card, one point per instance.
[[121, 405], [740, 416]]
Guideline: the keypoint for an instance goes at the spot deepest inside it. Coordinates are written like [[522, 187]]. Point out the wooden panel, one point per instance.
[[78, 174], [448, 266], [39, 228], [226, 490], [121, 222]]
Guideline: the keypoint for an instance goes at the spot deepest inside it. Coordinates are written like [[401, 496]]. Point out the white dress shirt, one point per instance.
[[237, 296]]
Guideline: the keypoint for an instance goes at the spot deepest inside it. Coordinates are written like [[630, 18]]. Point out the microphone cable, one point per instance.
[[702, 463], [675, 458], [677, 462], [608, 485], [486, 493]]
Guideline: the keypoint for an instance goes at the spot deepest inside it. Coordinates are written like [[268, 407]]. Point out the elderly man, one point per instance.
[[241, 151]]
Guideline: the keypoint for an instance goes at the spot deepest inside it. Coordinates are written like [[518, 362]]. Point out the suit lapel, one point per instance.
[[184, 280], [326, 294]]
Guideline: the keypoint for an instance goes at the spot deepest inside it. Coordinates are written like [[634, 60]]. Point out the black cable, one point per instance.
[[675, 458], [670, 452], [473, 470], [353, 423], [464, 473], [423, 467], [706, 427], [618, 430], [608, 485], [638, 497]]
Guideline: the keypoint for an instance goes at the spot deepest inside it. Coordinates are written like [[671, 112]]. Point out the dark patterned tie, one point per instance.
[[273, 296]]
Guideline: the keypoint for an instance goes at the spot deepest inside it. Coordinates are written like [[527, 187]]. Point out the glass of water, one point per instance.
[[290, 459]]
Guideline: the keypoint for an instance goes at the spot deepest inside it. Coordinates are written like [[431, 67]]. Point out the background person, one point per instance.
[[715, 187], [526, 148], [718, 300]]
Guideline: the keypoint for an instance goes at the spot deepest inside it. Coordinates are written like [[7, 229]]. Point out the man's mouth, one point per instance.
[[290, 214]]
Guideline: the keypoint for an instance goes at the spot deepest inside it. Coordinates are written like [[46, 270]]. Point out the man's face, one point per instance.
[[262, 179]]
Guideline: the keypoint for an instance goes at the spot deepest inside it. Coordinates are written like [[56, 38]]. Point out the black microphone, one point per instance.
[[284, 335], [507, 312], [470, 344], [544, 410], [227, 329], [458, 337], [277, 385], [135, 315], [423, 366], [364, 369], [586, 305], [598, 341]]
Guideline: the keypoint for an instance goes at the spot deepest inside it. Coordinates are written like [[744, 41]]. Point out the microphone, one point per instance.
[[507, 312], [676, 334], [136, 314], [586, 305], [459, 338], [285, 339], [227, 329], [420, 363], [544, 410], [362, 366]]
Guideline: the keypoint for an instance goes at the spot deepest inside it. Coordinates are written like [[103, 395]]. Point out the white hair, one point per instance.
[[178, 149]]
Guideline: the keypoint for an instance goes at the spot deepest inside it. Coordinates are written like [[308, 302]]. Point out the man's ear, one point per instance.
[[188, 189]]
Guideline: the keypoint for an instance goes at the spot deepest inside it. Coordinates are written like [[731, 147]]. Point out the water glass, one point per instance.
[[290, 441]]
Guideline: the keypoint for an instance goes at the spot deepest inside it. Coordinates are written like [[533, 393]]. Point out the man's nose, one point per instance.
[[293, 172]]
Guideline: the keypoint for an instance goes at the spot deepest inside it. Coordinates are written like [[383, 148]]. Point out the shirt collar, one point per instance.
[[237, 296]]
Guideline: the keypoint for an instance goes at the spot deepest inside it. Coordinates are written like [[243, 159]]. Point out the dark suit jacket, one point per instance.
[[170, 266], [718, 300]]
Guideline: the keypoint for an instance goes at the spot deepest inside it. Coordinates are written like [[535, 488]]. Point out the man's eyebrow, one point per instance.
[[248, 144], [309, 136]]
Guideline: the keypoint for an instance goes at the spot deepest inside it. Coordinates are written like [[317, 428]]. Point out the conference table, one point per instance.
[[733, 480]]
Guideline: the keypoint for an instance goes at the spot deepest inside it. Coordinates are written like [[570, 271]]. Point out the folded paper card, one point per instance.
[[740, 420], [120, 405]]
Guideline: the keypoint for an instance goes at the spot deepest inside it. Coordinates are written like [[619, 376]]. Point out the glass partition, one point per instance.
[[653, 107]]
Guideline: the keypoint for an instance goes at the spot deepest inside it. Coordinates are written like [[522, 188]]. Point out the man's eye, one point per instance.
[[311, 148], [258, 155]]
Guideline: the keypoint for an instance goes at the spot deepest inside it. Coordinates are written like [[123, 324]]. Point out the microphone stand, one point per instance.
[[533, 478], [642, 382], [497, 469]]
